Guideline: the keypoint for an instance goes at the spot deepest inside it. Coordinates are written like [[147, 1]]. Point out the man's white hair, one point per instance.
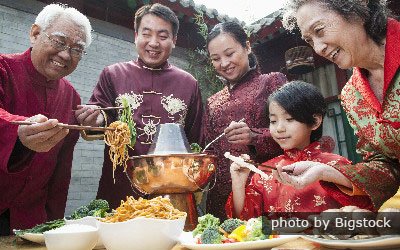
[[54, 11]]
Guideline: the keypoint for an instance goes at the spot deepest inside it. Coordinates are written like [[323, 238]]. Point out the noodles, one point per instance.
[[158, 208], [118, 139]]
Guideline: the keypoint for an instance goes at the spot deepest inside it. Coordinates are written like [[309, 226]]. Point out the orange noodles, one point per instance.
[[158, 208], [118, 140]]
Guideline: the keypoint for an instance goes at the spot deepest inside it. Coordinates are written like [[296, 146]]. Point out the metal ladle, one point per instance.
[[217, 138]]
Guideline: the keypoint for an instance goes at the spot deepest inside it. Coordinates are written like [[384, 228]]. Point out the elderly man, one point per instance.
[[157, 92], [36, 160]]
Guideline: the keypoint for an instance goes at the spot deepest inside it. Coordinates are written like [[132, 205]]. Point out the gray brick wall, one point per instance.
[[111, 44]]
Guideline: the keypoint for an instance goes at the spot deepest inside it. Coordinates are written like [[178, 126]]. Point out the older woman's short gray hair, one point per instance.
[[53, 11], [373, 13]]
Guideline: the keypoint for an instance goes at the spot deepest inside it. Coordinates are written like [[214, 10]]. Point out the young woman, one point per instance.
[[296, 114], [361, 35], [243, 97]]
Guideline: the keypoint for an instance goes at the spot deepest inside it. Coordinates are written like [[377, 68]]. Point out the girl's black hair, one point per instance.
[[237, 32], [302, 101]]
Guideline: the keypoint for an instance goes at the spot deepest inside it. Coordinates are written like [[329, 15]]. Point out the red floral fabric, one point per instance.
[[376, 125], [271, 196]]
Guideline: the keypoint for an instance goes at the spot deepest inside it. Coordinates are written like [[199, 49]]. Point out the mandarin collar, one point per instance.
[[163, 66], [245, 78], [306, 154], [37, 78]]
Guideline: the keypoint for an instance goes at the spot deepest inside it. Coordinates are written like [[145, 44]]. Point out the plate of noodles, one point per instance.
[[145, 224]]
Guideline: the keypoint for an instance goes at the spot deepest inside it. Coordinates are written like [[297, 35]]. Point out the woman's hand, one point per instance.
[[305, 173], [238, 133], [43, 136], [87, 116]]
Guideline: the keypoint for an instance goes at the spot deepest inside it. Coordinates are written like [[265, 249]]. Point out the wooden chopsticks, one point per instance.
[[267, 166], [62, 125], [106, 108]]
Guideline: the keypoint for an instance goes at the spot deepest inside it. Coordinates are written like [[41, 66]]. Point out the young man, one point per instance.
[[157, 92], [36, 160]]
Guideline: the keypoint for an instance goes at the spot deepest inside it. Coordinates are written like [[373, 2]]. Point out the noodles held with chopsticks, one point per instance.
[[158, 208], [118, 140], [122, 137]]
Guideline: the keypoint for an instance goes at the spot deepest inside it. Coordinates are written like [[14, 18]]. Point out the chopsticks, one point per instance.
[[62, 125], [251, 165], [106, 108], [267, 166]]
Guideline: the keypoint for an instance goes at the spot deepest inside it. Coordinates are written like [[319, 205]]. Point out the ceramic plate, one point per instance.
[[381, 242], [37, 238], [187, 241]]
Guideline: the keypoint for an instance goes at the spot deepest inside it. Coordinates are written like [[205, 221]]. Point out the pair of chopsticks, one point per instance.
[[107, 108], [252, 166], [68, 126], [267, 166]]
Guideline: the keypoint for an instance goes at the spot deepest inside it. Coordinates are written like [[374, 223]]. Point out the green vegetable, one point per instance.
[[254, 228], [211, 235], [126, 116], [205, 221], [195, 148], [97, 208], [80, 212], [42, 227], [98, 204], [231, 224]]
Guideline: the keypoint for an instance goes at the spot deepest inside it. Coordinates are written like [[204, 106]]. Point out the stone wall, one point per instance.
[[111, 44]]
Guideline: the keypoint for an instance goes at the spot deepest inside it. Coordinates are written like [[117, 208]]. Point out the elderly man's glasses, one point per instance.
[[60, 46]]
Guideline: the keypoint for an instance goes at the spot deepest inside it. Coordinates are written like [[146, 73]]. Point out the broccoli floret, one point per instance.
[[205, 221], [98, 204], [254, 228], [98, 213], [80, 212], [231, 224], [211, 235], [195, 148]]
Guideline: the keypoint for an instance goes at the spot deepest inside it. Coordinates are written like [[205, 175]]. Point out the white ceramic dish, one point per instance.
[[382, 242], [141, 233], [188, 241], [37, 238], [76, 237], [90, 221]]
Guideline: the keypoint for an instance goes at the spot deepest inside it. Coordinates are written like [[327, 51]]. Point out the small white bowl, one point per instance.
[[87, 220], [76, 237], [141, 233]]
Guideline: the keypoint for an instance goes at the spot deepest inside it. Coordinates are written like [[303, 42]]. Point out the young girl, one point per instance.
[[296, 112]]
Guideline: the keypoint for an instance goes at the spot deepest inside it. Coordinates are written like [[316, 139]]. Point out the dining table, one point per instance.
[[13, 242]]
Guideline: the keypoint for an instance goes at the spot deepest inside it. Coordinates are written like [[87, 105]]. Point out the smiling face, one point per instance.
[[154, 40], [288, 132], [229, 57], [332, 36], [48, 61]]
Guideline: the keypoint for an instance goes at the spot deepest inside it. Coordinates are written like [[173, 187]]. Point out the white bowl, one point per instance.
[[76, 237], [87, 220], [141, 233]]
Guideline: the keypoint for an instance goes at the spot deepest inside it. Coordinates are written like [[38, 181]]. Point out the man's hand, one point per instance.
[[86, 115], [43, 136]]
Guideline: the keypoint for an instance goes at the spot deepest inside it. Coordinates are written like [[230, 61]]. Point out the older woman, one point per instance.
[[360, 34]]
